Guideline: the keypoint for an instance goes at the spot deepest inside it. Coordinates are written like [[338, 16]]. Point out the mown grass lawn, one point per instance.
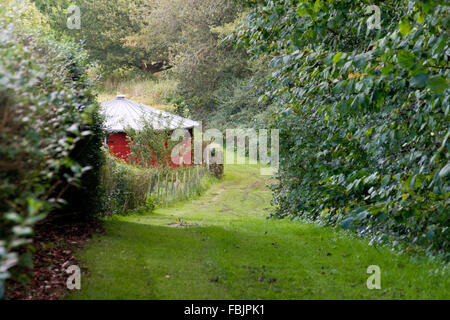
[[221, 246]]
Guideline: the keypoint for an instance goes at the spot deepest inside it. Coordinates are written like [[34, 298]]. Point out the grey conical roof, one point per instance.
[[121, 113]]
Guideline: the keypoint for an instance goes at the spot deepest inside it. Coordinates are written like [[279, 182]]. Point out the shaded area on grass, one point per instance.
[[220, 246], [54, 246]]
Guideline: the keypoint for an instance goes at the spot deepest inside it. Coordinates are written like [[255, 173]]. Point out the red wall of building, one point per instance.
[[119, 147], [185, 154]]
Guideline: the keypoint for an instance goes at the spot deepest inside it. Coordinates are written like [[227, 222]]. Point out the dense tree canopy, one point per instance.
[[144, 34], [104, 27], [214, 79], [364, 126]]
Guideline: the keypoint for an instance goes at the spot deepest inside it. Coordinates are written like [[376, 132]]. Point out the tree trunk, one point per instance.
[[155, 67]]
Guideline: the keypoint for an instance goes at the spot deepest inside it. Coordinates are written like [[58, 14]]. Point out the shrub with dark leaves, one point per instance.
[[47, 112]]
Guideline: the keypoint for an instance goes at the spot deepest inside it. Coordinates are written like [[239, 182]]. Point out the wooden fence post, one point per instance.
[[173, 186], [184, 183], [176, 184], [189, 181], [158, 185], [167, 186]]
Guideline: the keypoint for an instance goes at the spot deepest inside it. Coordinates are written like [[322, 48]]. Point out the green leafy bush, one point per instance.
[[48, 130], [231, 98], [235, 102], [364, 127], [151, 147], [105, 29]]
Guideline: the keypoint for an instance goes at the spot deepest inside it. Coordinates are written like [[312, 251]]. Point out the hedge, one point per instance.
[[47, 113]]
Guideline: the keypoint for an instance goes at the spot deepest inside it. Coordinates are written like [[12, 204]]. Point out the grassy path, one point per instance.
[[220, 246]]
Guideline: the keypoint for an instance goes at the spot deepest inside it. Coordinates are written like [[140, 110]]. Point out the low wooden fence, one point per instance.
[[178, 184], [128, 187]]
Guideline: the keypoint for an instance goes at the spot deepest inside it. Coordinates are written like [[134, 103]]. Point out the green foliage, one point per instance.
[[364, 127], [236, 103], [105, 26], [47, 112], [214, 81], [149, 146], [221, 87], [147, 35], [125, 186], [199, 61], [83, 199]]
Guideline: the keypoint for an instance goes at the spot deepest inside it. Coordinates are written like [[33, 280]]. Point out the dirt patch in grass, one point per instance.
[[54, 246], [187, 225]]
